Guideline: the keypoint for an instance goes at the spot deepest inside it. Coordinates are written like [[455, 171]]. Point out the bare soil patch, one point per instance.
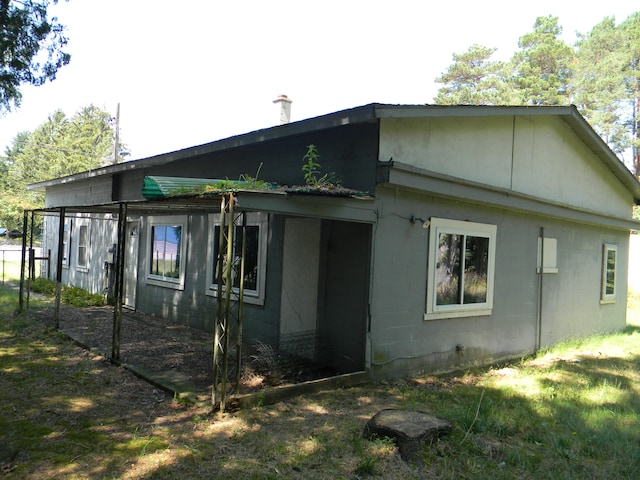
[[158, 345]]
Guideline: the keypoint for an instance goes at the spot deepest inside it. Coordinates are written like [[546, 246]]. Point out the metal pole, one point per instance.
[[24, 253], [119, 271], [32, 261], [540, 285], [219, 313], [227, 301], [240, 304], [56, 315]]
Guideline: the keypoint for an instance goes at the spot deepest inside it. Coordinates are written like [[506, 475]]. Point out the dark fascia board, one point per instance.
[[357, 115], [372, 113]]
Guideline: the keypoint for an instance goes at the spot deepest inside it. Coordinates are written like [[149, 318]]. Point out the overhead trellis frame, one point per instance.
[[229, 261]]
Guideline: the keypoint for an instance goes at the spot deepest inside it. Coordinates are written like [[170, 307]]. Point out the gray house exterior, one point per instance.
[[485, 233]]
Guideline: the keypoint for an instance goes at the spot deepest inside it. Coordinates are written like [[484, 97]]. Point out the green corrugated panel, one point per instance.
[[154, 187]]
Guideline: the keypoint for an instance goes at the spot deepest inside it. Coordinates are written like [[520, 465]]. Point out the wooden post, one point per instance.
[[119, 281], [56, 315]]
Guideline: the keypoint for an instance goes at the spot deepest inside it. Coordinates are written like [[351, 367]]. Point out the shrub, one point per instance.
[[78, 297]]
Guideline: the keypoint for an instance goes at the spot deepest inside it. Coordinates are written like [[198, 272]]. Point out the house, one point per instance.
[[461, 234]]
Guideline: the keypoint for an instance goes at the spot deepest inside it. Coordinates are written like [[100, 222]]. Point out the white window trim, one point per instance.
[[604, 297], [260, 219], [441, 225], [166, 221], [83, 268], [66, 247]]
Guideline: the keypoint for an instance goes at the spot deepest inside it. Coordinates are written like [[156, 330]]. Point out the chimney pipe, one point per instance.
[[285, 108]]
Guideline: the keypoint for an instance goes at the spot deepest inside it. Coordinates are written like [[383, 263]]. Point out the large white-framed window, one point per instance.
[[461, 269], [166, 251], [255, 256], [82, 260], [66, 243], [609, 263]]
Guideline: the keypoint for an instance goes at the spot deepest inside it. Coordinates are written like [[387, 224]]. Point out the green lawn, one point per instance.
[[572, 412], [9, 271]]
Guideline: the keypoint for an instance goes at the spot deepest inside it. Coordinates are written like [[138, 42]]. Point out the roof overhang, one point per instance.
[[568, 114], [372, 113], [396, 174], [351, 209]]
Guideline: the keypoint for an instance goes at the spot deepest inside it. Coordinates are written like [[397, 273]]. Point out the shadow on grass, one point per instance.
[[569, 419], [65, 412]]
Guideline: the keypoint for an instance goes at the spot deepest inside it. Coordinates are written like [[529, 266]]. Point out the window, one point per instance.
[[66, 243], [254, 259], [83, 247], [609, 255], [166, 251], [461, 269]]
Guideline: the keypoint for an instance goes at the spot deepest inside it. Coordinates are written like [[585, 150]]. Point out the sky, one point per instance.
[[191, 72]]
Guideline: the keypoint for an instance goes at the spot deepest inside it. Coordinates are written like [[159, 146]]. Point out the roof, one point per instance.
[[162, 188], [369, 114]]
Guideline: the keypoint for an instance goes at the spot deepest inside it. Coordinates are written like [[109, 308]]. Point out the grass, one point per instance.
[[572, 412], [9, 271]]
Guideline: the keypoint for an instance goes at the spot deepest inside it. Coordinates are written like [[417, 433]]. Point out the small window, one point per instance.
[[166, 250], [254, 258], [609, 258], [461, 269], [66, 243], [83, 246]]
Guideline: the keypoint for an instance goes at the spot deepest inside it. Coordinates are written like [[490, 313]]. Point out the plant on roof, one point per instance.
[[311, 169], [244, 182]]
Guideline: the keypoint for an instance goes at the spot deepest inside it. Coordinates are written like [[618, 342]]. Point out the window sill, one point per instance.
[[82, 269], [547, 270], [250, 299], [175, 285], [457, 314], [606, 301]]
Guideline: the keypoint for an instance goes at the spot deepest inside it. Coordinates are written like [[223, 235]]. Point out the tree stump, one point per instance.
[[409, 430]]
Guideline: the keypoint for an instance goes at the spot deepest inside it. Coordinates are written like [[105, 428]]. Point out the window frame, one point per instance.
[[83, 267], [604, 296], [259, 219], [66, 243], [167, 221], [440, 226]]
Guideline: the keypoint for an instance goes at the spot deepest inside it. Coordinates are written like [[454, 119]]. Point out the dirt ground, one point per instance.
[[145, 340], [159, 346]]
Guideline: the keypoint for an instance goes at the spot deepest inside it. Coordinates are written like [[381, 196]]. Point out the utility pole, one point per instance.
[[116, 143]]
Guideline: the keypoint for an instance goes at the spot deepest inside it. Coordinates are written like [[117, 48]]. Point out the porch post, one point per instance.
[[117, 309], [56, 315]]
